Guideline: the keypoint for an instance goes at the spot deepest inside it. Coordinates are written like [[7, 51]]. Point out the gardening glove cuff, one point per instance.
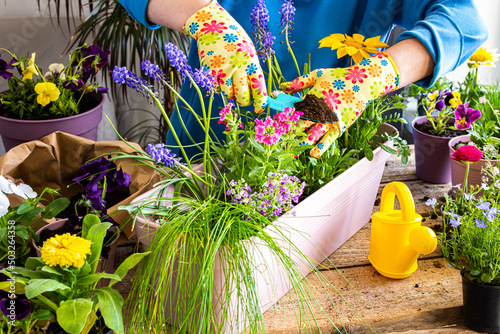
[[346, 91], [226, 49]]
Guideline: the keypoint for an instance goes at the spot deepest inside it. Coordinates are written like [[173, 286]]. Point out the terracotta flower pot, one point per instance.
[[18, 131], [105, 264], [458, 169], [432, 155]]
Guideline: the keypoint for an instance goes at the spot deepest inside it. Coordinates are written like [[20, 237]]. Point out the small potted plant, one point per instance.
[[17, 220], [65, 98], [64, 281], [482, 136], [470, 240], [432, 132]]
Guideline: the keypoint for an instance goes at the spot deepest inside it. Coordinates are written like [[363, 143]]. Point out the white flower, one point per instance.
[[431, 202], [27, 190], [484, 186], [21, 190], [495, 171], [483, 99], [4, 204]]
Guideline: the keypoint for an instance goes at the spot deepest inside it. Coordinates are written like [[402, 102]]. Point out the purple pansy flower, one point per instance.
[[465, 116], [4, 66], [19, 307]]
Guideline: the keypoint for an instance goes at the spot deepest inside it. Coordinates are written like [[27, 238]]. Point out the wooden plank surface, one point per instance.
[[427, 302]]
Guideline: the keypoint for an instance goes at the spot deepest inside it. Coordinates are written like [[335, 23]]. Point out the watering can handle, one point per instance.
[[399, 189]]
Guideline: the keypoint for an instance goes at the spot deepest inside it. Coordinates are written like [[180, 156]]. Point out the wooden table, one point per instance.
[[429, 301]]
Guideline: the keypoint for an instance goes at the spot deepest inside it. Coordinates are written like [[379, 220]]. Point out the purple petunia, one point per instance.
[[465, 116]]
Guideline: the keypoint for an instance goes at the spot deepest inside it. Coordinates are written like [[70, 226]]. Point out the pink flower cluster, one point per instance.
[[226, 117], [269, 131]]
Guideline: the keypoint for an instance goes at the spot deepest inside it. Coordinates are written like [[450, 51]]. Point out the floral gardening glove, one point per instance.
[[347, 91], [225, 49]]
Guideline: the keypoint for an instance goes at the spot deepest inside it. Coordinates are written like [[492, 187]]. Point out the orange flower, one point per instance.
[[360, 105], [347, 96], [375, 70], [325, 85], [356, 46], [203, 16], [229, 47], [217, 61]]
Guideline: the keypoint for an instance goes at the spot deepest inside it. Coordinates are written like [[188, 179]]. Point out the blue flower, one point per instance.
[[454, 219], [321, 146], [481, 224], [193, 27], [483, 206], [230, 38], [431, 202], [384, 62], [203, 78], [162, 155], [491, 214], [152, 70], [339, 84], [229, 81], [251, 69], [355, 88], [211, 52], [178, 59], [365, 62], [287, 12], [319, 73], [396, 80]]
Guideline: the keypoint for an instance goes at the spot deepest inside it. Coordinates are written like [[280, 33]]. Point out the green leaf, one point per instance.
[[55, 207], [110, 305], [26, 273], [23, 208], [29, 216], [38, 286], [72, 314], [96, 234], [33, 262], [92, 278], [3, 230], [129, 263], [85, 270], [23, 234], [51, 270], [88, 222], [42, 314]]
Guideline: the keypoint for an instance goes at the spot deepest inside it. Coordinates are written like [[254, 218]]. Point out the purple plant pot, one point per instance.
[[432, 155], [18, 131]]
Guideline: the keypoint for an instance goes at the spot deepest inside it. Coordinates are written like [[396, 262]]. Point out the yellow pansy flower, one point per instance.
[[483, 56], [65, 250], [47, 92], [30, 70], [356, 46]]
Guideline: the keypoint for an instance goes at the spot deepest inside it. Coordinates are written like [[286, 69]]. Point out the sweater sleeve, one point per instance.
[[452, 30], [137, 10]]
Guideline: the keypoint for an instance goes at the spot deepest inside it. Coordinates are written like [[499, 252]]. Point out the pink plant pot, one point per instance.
[[321, 224], [432, 155], [18, 131], [458, 169]]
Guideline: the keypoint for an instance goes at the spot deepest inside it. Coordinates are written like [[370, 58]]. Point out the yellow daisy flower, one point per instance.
[[483, 56], [65, 250], [30, 70], [356, 46], [47, 92]]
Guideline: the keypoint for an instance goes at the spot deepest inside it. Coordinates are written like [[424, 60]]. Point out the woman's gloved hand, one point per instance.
[[347, 91], [227, 50]]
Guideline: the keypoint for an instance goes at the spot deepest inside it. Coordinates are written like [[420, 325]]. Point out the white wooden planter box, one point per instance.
[[322, 223]]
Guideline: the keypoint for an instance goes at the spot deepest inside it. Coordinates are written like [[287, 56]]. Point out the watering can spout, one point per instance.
[[397, 237]]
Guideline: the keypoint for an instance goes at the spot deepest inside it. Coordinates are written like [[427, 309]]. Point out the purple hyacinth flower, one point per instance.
[[19, 307], [162, 155], [287, 12], [177, 59], [123, 76], [203, 78], [465, 116]]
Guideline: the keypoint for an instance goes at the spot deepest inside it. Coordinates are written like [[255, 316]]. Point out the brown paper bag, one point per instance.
[[56, 159]]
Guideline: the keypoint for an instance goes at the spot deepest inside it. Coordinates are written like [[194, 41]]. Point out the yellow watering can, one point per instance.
[[397, 237]]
